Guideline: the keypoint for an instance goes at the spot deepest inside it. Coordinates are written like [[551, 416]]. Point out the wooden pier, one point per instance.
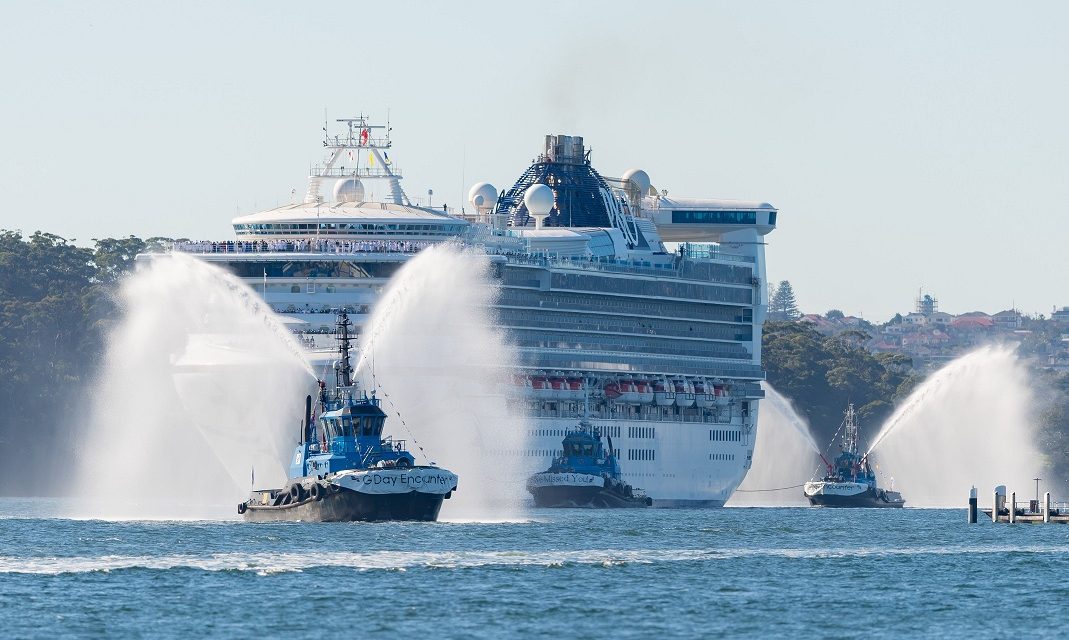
[[1008, 511]]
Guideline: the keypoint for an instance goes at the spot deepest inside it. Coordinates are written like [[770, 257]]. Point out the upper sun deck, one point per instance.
[[355, 220]]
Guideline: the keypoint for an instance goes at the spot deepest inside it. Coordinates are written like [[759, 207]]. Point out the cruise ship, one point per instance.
[[646, 306]]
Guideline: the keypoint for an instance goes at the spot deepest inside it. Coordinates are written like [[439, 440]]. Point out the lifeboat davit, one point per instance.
[[684, 393], [663, 394], [613, 391]]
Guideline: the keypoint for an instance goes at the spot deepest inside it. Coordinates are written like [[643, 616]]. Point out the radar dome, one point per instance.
[[349, 190], [640, 179], [539, 200], [482, 195]]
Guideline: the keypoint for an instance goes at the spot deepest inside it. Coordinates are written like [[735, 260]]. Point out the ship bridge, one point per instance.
[[707, 220]]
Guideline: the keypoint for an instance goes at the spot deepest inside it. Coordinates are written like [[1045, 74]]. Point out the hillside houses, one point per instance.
[[930, 336]]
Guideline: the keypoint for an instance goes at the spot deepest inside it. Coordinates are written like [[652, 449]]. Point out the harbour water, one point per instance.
[[754, 572]]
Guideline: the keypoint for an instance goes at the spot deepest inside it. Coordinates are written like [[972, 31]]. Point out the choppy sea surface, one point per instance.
[[553, 573]]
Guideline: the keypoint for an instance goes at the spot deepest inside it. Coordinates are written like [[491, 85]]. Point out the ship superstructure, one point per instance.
[[649, 305]]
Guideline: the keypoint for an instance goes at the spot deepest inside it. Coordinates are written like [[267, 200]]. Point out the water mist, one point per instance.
[[202, 388], [785, 455], [969, 424], [433, 355]]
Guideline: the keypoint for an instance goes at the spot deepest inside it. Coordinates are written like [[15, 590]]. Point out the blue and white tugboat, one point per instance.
[[585, 476], [345, 470], [850, 481]]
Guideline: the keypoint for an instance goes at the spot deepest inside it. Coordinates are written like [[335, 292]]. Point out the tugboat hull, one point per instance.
[[848, 494], [349, 506], [563, 490], [414, 493]]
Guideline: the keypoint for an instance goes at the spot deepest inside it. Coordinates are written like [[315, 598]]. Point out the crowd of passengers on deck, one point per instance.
[[311, 245]]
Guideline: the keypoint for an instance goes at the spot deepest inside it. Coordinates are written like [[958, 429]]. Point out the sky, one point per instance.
[[906, 144]]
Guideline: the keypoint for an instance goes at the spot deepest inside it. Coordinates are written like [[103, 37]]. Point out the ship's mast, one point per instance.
[[359, 152]]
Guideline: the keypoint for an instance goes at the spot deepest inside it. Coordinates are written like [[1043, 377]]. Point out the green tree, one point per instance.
[[834, 314], [56, 306], [821, 375], [782, 305]]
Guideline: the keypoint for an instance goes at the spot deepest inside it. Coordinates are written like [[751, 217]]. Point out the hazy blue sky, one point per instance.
[[906, 144]]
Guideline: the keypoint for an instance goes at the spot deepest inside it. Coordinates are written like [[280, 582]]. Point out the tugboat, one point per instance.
[[344, 470], [850, 481], [585, 476]]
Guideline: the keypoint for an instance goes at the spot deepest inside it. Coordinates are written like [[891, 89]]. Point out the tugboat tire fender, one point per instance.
[[402, 463], [296, 493], [315, 492], [242, 508]]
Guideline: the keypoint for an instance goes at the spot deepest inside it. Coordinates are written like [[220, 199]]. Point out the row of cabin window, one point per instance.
[[641, 454], [721, 456], [608, 303], [722, 435], [538, 453], [642, 432], [546, 432]]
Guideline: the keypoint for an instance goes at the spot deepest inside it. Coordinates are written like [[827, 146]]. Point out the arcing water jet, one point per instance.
[[785, 456], [431, 352], [202, 387], [970, 423]]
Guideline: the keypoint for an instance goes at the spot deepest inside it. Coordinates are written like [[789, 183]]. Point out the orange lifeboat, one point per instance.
[[702, 396], [720, 395], [645, 392], [540, 388], [684, 393], [612, 390], [663, 394], [574, 389], [629, 392]]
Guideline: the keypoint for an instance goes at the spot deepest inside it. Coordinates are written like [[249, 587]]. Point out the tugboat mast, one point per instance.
[[344, 371], [850, 434]]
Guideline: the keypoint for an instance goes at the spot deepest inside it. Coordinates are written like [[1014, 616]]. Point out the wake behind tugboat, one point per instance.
[[850, 481], [585, 475], [344, 470]]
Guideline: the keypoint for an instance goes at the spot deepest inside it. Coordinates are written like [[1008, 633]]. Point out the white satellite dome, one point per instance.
[[482, 195], [640, 179], [349, 190], [539, 200]]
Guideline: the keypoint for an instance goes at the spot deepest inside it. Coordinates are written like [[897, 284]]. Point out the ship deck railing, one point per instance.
[[305, 246], [644, 267]]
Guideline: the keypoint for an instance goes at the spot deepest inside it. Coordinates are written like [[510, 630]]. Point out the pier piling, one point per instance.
[[999, 502], [1046, 507], [972, 505], [1013, 507]]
